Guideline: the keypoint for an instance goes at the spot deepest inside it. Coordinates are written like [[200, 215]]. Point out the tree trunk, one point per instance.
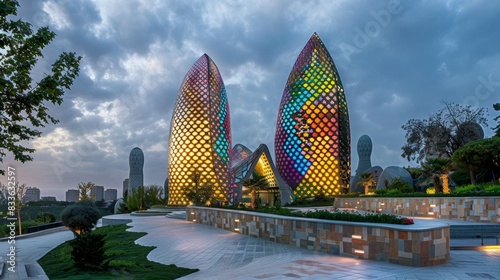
[[437, 184], [253, 193], [472, 173], [446, 185], [19, 220]]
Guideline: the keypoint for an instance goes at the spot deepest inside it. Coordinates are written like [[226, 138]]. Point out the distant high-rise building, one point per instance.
[[72, 195], [125, 187], [136, 163], [110, 194], [48, 198], [32, 194], [97, 193]]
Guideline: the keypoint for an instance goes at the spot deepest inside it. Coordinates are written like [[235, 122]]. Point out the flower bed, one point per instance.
[[350, 215]]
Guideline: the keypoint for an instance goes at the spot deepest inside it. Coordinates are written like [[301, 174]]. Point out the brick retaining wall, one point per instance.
[[477, 209], [425, 243]]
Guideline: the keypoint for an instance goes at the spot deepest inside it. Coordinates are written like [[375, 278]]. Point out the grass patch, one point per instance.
[[124, 258]]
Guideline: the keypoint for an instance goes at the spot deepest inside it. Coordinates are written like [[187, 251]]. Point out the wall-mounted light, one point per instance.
[[359, 251], [236, 229], [354, 236], [236, 220], [194, 220], [430, 213], [382, 203], [433, 205]]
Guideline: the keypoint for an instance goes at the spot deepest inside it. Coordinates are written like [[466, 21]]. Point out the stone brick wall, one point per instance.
[[425, 243], [478, 209]]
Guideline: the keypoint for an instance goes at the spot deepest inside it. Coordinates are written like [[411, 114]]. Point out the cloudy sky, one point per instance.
[[397, 61]]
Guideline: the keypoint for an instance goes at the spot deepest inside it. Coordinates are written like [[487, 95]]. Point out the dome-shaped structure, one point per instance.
[[312, 142], [391, 173], [200, 134], [136, 164], [116, 208], [470, 131]]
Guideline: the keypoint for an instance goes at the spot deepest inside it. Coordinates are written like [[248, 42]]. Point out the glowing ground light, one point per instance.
[[312, 142], [200, 136]]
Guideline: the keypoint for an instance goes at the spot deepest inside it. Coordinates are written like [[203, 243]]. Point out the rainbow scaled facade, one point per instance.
[[200, 135], [312, 142]]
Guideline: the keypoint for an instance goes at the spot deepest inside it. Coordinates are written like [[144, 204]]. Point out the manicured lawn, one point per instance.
[[124, 259]]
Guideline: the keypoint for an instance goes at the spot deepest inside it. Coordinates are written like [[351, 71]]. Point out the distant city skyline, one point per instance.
[[398, 60]]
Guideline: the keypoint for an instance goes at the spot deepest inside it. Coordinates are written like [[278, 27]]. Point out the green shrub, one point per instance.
[[80, 218], [465, 189], [88, 251], [46, 217]]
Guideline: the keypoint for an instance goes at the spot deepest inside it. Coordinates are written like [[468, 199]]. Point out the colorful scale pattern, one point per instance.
[[312, 142], [200, 135]]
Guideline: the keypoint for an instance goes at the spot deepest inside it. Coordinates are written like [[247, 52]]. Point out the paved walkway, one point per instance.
[[220, 254], [28, 252]]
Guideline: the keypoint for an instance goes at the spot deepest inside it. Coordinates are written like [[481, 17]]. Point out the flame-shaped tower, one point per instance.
[[200, 134], [312, 142]]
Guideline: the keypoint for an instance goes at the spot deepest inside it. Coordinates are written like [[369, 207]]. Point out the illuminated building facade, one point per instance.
[[200, 134], [312, 142], [245, 163]]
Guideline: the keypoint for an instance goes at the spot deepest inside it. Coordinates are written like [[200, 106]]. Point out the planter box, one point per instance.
[[425, 243]]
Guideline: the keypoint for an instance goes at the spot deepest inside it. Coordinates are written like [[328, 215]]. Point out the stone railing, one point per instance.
[[425, 243], [477, 209]]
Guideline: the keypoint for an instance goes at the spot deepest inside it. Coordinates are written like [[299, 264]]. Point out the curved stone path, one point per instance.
[[220, 254]]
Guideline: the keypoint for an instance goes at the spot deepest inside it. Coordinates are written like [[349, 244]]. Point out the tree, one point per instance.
[[443, 132], [85, 190], [23, 100], [367, 181], [496, 106], [142, 198], [80, 218], [480, 154], [255, 183], [438, 169], [20, 191], [200, 195]]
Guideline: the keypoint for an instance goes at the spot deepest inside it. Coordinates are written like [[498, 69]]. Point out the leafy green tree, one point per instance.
[[135, 199], [20, 192], [85, 190], [254, 184], [496, 106], [23, 100], [400, 185], [438, 169], [142, 198], [480, 154], [200, 195], [88, 251], [443, 132], [153, 195], [80, 218]]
